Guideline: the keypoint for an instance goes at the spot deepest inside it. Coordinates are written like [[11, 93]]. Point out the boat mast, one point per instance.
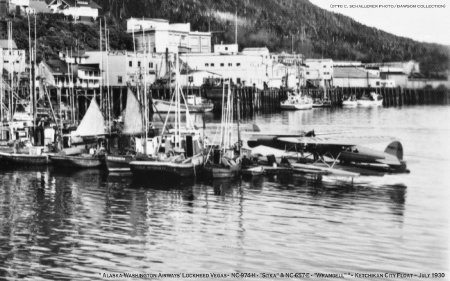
[[145, 92]]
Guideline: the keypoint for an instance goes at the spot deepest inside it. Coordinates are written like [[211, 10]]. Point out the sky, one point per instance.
[[420, 23]]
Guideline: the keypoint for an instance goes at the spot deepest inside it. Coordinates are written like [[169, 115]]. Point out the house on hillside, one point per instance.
[[12, 59], [54, 73], [78, 9]]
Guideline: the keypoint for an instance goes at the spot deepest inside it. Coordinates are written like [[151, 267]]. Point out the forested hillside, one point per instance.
[[278, 24], [283, 24]]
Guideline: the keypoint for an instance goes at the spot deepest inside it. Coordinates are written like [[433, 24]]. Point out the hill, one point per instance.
[[281, 25]]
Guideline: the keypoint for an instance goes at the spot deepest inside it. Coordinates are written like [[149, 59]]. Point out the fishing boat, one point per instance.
[[223, 161], [350, 102], [296, 102], [91, 127], [194, 104], [21, 159], [133, 128], [373, 99], [182, 154]]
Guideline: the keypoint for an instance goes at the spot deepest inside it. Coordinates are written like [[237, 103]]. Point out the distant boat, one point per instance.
[[350, 102], [318, 103], [296, 102], [373, 100], [194, 104]]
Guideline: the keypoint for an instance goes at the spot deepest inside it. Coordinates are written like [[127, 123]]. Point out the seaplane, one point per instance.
[[332, 154]]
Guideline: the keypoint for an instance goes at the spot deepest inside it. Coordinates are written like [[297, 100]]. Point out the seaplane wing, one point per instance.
[[335, 140]]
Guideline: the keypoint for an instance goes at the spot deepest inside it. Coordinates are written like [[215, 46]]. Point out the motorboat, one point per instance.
[[350, 102], [373, 99], [297, 102]]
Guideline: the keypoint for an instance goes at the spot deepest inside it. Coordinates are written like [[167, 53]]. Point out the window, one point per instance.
[[230, 64], [130, 63], [307, 73], [226, 48], [139, 64], [222, 64], [212, 64], [119, 79], [206, 64], [324, 66], [150, 65], [238, 64], [238, 80]]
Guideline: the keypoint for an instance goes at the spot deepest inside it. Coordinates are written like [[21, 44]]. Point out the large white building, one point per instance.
[[159, 36]]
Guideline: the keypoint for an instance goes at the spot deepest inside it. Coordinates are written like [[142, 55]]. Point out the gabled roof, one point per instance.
[[352, 72], [4, 44], [57, 66]]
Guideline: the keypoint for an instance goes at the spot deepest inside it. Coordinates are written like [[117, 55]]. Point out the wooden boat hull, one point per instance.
[[164, 106], [160, 168], [24, 159], [118, 164], [80, 162]]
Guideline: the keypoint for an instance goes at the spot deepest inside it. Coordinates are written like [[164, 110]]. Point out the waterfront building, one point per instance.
[[160, 36], [78, 9], [319, 72], [354, 77], [119, 68], [243, 69]]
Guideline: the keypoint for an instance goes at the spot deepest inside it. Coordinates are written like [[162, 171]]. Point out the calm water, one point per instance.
[[67, 226]]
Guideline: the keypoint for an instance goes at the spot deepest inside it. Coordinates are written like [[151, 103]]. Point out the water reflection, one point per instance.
[[58, 225]]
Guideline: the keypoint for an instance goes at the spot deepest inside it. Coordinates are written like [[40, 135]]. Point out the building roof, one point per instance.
[[352, 72], [4, 44], [79, 3], [255, 49], [57, 66], [39, 6], [92, 67]]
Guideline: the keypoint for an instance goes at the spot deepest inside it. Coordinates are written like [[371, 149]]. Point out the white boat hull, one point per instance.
[[349, 103], [369, 103], [296, 106], [164, 106]]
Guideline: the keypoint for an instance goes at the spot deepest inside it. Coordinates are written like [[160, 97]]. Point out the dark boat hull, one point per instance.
[[159, 168], [80, 162], [24, 159]]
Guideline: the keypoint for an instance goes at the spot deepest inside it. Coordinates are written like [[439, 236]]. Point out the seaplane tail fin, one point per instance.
[[395, 148], [256, 128]]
